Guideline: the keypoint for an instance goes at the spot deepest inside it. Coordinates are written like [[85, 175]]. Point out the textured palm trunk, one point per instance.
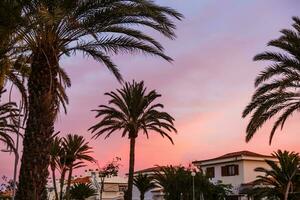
[[62, 182], [142, 196], [288, 187], [131, 168], [39, 128], [102, 187], [69, 183], [54, 182]]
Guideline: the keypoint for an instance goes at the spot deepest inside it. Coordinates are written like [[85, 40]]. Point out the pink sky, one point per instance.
[[205, 88]]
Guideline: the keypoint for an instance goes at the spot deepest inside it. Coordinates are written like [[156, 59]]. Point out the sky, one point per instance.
[[205, 89]]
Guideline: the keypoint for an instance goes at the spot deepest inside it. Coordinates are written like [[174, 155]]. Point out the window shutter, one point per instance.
[[210, 172], [236, 169], [223, 171]]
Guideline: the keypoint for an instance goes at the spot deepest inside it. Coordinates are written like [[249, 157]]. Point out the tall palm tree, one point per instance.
[[56, 28], [77, 150], [133, 110], [277, 90], [144, 183], [82, 191], [282, 179], [55, 152]]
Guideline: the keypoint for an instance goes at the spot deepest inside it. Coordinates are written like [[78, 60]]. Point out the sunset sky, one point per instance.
[[205, 88]]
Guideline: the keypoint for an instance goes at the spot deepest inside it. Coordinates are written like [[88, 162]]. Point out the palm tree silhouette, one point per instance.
[[82, 191], [144, 183], [132, 110], [76, 151]]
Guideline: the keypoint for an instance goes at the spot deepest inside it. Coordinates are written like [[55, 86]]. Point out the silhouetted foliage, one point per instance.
[[177, 184], [144, 183], [9, 123], [281, 180], [277, 92], [132, 110], [82, 191]]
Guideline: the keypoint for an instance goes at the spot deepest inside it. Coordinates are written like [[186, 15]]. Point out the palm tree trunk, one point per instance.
[[54, 183], [102, 187], [287, 191], [142, 196], [69, 183], [131, 168], [40, 126], [62, 182]]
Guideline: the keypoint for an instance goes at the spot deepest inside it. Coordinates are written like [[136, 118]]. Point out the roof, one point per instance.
[[116, 179], [154, 169], [82, 180], [6, 194], [151, 169], [237, 154]]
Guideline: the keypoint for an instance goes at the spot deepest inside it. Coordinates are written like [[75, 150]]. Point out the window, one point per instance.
[[230, 170], [210, 172]]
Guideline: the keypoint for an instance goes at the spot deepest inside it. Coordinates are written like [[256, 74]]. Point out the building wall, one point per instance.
[[235, 181], [246, 174], [249, 166], [136, 194]]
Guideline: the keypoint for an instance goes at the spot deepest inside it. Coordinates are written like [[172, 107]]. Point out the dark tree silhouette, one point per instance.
[[133, 110]]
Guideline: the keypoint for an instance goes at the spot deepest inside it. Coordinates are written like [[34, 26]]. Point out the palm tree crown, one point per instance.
[[82, 191], [144, 183], [76, 149], [281, 178], [278, 85], [132, 110], [95, 28]]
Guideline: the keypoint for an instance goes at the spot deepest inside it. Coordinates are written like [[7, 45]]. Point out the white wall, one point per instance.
[[235, 181], [249, 166], [136, 194], [246, 170]]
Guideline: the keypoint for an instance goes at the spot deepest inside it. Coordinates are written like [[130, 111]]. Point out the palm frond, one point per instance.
[[277, 94]]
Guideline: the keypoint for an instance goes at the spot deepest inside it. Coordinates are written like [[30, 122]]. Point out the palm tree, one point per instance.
[[277, 90], [82, 191], [132, 110], [176, 181], [144, 183], [52, 29], [282, 179], [55, 152], [77, 150]]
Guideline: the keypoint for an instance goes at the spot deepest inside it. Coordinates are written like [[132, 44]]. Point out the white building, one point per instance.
[[114, 186], [235, 168]]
